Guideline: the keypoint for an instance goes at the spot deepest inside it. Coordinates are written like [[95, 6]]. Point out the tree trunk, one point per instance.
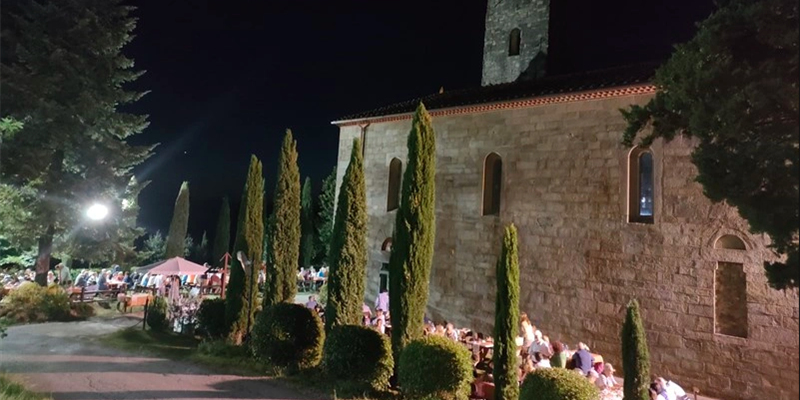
[[43, 257]]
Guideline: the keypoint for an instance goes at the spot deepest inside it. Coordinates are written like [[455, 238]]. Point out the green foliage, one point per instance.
[[635, 355], [506, 325], [152, 249], [196, 252], [734, 87], [8, 127], [69, 87], [308, 243], [557, 384], [414, 234], [284, 240], [322, 296], [249, 240], [10, 390], [34, 303], [81, 311], [175, 246], [360, 355], [157, 315], [211, 318], [289, 336], [435, 367], [325, 217], [222, 236], [348, 253], [10, 255]]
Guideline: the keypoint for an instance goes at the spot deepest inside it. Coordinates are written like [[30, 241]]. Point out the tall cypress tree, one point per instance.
[[414, 230], [307, 249], [506, 322], [179, 225], [284, 239], [348, 247], [222, 236], [635, 355], [249, 240], [325, 217]]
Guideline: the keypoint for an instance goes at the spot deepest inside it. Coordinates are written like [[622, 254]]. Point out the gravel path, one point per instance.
[[66, 360]]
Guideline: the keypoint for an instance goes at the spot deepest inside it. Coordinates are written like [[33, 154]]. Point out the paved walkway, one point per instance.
[[65, 360]]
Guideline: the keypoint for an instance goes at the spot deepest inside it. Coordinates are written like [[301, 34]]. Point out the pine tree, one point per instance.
[[68, 87], [179, 225], [506, 323], [325, 217], [348, 247], [249, 241], [414, 233], [222, 236], [307, 244], [284, 240], [733, 88], [635, 355]]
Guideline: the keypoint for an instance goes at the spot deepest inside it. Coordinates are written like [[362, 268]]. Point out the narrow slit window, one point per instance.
[[395, 177], [641, 186], [492, 184], [514, 42]]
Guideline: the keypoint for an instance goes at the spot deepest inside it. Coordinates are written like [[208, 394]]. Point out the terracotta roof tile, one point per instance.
[[586, 81]]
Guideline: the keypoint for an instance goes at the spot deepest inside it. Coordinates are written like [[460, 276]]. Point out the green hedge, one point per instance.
[[557, 384], [211, 318], [437, 367], [157, 315], [360, 356], [289, 336]]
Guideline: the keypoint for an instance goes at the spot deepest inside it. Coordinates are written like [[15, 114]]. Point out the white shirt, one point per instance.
[[382, 302], [63, 275], [672, 391]]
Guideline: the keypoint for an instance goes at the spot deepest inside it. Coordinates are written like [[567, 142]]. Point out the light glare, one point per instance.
[[97, 212]]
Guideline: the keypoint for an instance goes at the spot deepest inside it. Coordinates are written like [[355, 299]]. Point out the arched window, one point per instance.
[[513, 42], [395, 177], [641, 186], [730, 242], [492, 184]]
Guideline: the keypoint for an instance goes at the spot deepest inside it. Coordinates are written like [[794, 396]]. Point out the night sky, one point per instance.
[[227, 78]]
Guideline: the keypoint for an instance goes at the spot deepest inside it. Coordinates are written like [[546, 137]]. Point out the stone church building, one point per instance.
[[599, 224]]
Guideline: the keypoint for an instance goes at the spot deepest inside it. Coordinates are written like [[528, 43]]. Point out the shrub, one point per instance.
[[435, 367], [359, 355], [288, 336], [157, 315], [557, 384], [34, 303], [211, 318]]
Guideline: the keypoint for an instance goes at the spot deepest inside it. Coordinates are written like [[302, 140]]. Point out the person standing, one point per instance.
[[64, 276], [382, 301]]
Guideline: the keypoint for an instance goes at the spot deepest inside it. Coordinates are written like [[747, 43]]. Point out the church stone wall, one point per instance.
[[565, 187]]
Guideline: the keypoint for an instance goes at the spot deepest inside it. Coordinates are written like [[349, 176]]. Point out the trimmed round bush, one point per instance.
[[157, 315], [359, 355], [211, 318], [435, 367], [557, 384], [288, 336]]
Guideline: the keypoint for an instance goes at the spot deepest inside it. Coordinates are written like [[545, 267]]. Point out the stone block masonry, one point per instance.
[[565, 186]]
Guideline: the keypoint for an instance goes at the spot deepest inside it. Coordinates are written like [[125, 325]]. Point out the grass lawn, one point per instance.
[[226, 359], [181, 347], [10, 390]]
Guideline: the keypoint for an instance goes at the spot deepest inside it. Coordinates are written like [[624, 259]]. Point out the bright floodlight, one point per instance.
[[97, 212]]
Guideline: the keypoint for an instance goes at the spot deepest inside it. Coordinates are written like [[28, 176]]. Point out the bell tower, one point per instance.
[[515, 40]]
